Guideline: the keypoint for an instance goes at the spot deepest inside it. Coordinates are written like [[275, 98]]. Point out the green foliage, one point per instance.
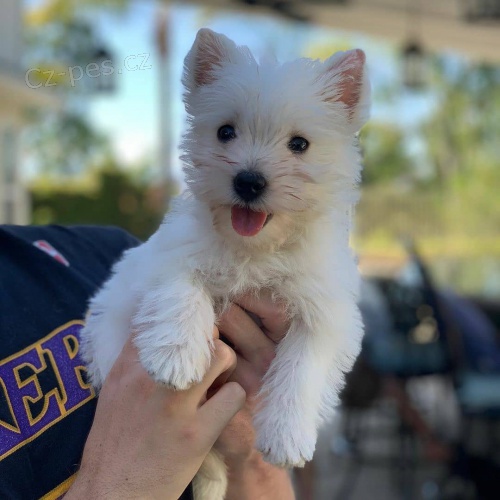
[[385, 157], [60, 35], [64, 144], [63, 11], [462, 135], [454, 213], [111, 196]]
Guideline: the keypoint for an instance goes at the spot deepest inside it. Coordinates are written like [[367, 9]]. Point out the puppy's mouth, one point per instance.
[[248, 222]]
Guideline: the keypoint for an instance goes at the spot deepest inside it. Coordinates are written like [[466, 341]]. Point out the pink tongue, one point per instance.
[[246, 222]]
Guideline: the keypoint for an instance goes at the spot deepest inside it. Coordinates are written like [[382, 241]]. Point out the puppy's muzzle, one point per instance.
[[249, 185]]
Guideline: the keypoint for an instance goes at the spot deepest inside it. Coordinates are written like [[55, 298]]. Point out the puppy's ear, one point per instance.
[[345, 81], [209, 53]]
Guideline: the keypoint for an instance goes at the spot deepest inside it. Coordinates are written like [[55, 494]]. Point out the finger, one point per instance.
[[221, 380], [215, 333], [247, 338], [247, 376], [223, 362], [218, 411], [273, 314]]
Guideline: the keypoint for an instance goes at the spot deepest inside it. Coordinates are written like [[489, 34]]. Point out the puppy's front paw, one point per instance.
[[286, 449], [178, 366]]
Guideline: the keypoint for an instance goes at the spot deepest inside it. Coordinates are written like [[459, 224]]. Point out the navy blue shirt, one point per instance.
[[47, 275]]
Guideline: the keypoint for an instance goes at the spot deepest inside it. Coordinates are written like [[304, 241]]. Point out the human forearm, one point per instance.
[[255, 479]]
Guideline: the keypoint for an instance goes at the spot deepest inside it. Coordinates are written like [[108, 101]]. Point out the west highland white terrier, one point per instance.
[[272, 167]]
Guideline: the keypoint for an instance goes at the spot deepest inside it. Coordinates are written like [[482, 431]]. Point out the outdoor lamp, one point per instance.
[[414, 65], [101, 71]]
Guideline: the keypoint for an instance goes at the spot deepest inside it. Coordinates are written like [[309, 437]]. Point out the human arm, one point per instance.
[[147, 440], [249, 476]]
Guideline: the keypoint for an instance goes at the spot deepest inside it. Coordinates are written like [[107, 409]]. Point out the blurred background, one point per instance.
[[90, 122]]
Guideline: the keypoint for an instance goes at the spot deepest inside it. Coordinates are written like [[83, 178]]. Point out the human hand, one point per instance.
[[255, 347], [147, 440]]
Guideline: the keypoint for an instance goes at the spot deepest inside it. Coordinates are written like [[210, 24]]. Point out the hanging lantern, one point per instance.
[[414, 65], [101, 72]]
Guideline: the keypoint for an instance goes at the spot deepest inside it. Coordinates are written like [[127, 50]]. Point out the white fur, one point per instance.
[[171, 289]]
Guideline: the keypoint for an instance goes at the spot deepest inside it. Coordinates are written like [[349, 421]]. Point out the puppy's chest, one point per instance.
[[231, 281]]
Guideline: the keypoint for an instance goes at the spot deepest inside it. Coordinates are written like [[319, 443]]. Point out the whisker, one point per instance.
[[294, 196], [225, 159], [305, 177]]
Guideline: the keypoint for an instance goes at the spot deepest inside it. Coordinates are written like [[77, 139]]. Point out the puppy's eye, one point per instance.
[[226, 133], [298, 144]]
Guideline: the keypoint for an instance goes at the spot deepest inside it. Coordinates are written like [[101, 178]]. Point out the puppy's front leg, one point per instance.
[[174, 328], [302, 384]]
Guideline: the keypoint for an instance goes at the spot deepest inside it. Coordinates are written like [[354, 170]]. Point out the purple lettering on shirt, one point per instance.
[[64, 349], [19, 380]]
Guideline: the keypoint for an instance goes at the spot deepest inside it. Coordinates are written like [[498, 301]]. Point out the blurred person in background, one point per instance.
[[145, 440]]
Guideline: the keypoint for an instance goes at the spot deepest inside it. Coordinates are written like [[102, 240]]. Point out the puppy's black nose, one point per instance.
[[249, 185]]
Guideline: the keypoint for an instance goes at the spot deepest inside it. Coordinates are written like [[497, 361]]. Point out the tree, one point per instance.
[[59, 36], [106, 195], [384, 155], [462, 134]]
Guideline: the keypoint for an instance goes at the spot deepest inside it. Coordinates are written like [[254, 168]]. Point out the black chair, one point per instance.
[[477, 390], [412, 343]]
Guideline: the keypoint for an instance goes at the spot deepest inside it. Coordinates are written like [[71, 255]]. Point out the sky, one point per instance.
[[131, 116]]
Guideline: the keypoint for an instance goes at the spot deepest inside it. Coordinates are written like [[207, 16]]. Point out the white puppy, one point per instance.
[[272, 167]]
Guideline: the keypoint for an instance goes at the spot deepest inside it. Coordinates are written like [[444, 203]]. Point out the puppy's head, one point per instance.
[[270, 147]]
